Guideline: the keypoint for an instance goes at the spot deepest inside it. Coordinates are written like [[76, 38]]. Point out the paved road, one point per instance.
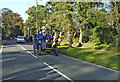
[[19, 63]]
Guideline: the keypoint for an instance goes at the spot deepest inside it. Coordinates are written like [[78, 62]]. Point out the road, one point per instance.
[[20, 63]]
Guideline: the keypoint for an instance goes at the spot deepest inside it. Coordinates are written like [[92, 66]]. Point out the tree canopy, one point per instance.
[[12, 23], [91, 20]]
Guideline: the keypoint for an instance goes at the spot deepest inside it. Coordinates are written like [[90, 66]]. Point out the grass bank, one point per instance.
[[102, 58]]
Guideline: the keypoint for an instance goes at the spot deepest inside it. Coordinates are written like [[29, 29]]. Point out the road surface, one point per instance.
[[20, 63]]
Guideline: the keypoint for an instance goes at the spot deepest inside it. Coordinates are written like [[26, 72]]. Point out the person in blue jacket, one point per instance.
[[40, 36], [48, 36], [35, 42]]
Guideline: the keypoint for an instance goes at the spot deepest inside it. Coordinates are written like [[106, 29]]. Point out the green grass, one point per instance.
[[89, 45], [102, 58], [109, 47], [106, 47]]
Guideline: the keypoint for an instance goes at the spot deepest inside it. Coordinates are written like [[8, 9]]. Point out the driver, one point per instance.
[[48, 39]]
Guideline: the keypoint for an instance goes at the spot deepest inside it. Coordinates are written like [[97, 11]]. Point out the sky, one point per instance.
[[20, 6]]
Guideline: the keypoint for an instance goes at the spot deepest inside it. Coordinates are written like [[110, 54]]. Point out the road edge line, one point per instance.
[[91, 63]]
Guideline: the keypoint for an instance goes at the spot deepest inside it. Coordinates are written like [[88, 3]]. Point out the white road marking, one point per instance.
[[1, 49], [32, 54], [28, 51], [59, 72], [49, 65], [7, 59], [23, 48], [91, 63]]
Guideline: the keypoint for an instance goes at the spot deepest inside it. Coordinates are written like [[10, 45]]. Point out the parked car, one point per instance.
[[20, 39]]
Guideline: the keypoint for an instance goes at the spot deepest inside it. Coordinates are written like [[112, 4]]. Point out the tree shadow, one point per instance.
[[99, 74], [34, 73], [26, 43], [99, 47]]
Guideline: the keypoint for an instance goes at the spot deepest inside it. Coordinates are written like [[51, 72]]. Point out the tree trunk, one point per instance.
[[80, 39], [60, 37], [74, 34], [24, 31]]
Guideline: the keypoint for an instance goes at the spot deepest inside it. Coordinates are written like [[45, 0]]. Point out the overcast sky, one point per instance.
[[20, 6]]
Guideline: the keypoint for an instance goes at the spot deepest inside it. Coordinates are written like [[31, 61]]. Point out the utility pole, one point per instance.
[[28, 29], [36, 14]]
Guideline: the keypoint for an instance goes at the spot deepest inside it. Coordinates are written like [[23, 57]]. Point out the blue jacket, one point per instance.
[[35, 40], [39, 36], [47, 36]]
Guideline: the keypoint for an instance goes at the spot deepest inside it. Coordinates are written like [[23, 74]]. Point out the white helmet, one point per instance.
[[40, 32]]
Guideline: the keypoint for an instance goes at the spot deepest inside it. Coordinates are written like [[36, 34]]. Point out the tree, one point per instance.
[[37, 16], [81, 16], [115, 19], [15, 31], [60, 17], [9, 21]]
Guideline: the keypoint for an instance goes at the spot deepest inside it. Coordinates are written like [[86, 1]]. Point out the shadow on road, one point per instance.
[[17, 64], [34, 73]]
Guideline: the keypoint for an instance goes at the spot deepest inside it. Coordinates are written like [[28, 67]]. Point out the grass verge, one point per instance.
[[106, 47], [101, 58]]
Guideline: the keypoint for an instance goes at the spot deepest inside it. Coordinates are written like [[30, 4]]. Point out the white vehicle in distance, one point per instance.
[[20, 39]]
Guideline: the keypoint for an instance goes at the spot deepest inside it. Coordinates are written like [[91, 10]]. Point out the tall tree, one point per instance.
[[38, 16], [10, 20], [60, 16], [82, 17]]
